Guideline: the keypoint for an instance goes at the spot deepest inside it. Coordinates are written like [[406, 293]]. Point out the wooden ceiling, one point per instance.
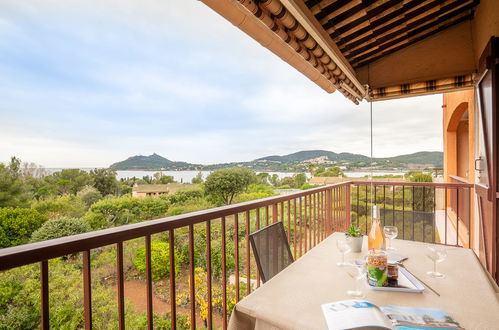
[[366, 30]]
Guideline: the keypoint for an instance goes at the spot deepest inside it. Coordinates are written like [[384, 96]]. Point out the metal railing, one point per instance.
[[308, 216], [426, 212]]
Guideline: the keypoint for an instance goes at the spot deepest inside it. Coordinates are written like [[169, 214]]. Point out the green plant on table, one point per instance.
[[353, 231]]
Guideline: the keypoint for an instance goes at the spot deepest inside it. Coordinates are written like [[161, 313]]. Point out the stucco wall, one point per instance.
[[455, 104]]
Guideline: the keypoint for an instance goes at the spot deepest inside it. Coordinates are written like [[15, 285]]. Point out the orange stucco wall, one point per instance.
[[459, 155], [459, 144]]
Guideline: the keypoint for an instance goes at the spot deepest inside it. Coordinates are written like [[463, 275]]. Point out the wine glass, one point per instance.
[[437, 254], [343, 247], [359, 273], [390, 232]]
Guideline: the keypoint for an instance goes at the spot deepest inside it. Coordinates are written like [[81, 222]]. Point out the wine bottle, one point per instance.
[[376, 237]]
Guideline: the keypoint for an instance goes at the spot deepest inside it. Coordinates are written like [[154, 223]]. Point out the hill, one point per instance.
[[294, 162], [423, 157], [301, 156], [152, 162]]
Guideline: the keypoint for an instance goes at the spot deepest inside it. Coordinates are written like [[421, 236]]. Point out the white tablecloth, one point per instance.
[[292, 299]]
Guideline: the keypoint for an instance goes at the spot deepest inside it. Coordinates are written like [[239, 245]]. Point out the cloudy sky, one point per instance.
[[88, 83]]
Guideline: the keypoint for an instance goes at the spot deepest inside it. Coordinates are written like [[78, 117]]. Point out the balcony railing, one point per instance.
[[420, 210]]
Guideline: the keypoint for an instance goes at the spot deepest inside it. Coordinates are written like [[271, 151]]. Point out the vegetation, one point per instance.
[[17, 225], [353, 231], [12, 190], [68, 202], [328, 172], [222, 186], [37, 207], [60, 227], [160, 260], [123, 210]]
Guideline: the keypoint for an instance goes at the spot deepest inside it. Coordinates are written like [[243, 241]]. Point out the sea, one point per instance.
[[187, 176]]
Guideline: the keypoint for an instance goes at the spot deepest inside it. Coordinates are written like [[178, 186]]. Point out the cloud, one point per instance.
[[89, 83]]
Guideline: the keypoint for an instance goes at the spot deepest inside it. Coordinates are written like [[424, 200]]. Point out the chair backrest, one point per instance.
[[271, 249]]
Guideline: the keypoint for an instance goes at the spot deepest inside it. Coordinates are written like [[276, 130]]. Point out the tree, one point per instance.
[[423, 198], [165, 179], [17, 225], [60, 227], [89, 195], [162, 179], [334, 171], [418, 176], [287, 181], [104, 180], [13, 192], [300, 179], [198, 179], [274, 180], [147, 179], [263, 178], [223, 185], [311, 168], [69, 180], [32, 170]]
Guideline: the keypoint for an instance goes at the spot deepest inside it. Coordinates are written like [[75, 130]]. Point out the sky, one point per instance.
[[87, 83]]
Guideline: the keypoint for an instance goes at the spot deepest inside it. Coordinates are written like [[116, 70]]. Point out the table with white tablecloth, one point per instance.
[[292, 299]]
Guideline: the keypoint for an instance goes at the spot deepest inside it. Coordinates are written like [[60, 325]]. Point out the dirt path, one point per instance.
[[136, 293]]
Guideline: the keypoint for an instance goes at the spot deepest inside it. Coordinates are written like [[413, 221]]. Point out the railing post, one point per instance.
[[329, 212], [347, 205]]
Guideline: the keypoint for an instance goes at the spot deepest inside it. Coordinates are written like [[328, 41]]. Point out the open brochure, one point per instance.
[[358, 314]]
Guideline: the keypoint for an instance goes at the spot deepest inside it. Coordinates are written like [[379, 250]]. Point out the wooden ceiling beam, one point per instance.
[[392, 15], [338, 19], [429, 21], [405, 39], [369, 15], [331, 8], [364, 61], [387, 27], [317, 5]]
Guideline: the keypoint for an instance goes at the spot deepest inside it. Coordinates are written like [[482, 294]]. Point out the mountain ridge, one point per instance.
[[297, 161]]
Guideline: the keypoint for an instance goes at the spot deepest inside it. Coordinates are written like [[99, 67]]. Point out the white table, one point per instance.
[[292, 299]]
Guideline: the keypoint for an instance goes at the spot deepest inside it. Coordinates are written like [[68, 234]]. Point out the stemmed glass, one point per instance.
[[390, 232], [343, 247], [359, 273], [437, 254]]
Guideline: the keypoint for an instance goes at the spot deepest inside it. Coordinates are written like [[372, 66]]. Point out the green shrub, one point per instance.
[[163, 322], [308, 186], [18, 224], [22, 311], [59, 228], [182, 247], [261, 188], [184, 195], [160, 260], [59, 206], [192, 206], [89, 195], [246, 197], [112, 211]]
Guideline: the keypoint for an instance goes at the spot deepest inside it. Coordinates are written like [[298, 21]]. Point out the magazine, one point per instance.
[[359, 314]]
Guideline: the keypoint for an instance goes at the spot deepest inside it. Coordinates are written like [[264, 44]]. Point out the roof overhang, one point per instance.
[[372, 49]]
